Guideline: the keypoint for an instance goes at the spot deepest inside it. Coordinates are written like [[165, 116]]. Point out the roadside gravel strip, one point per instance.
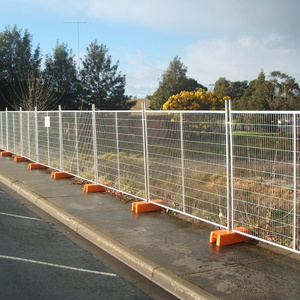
[[152, 271]]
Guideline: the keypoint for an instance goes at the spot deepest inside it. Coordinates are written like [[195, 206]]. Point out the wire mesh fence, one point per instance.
[[265, 175], [187, 160], [228, 168]]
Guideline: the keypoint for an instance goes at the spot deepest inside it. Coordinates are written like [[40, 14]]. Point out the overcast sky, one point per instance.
[[214, 38]]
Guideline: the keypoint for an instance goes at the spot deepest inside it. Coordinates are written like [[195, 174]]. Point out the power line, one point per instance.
[[78, 39]]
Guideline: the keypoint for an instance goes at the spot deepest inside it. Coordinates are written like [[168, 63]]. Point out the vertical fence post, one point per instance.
[[28, 133], [95, 144], [295, 181], [230, 172], [6, 121], [145, 150], [36, 136], [61, 161], [48, 142], [1, 132], [118, 150], [228, 133], [182, 163], [13, 130], [21, 132], [76, 142]]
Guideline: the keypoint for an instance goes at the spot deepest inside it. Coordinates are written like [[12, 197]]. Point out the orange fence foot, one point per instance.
[[34, 166], [228, 237], [60, 175], [20, 159], [94, 188], [144, 206], [4, 153]]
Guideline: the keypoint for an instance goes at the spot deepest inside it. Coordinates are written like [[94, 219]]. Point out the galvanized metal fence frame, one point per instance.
[[200, 163], [265, 170]]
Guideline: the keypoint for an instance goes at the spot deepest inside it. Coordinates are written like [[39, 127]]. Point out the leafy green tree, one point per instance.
[[173, 81], [61, 68], [285, 92], [233, 89], [255, 96], [222, 86], [102, 84], [18, 63], [281, 92]]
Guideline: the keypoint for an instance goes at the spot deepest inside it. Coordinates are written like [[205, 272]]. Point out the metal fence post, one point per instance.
[[6, 121], [182, 162], [61, 163], [21, 131], [95, 143], [118, 150], [36, 136], [14, 134], [76, 142], [48, 142], [295, 181], [1, 132], [230, 179], [28, 133], [145, 150]]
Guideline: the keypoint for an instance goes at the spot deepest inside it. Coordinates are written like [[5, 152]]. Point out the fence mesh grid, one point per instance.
[[182, 158], [265, 179], [187, 163]]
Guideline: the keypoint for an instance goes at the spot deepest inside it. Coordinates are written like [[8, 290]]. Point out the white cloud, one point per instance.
[[189, 15], [232, 38], [142, 76], [240, 59]]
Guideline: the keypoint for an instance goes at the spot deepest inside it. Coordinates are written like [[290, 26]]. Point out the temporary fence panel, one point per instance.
[[10, 131], [130, 153], [193, 161], [107, 149], [265, 175], [187, 163]]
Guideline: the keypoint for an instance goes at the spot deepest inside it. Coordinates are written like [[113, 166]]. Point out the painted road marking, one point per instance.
[[57, 266], [18, 216]]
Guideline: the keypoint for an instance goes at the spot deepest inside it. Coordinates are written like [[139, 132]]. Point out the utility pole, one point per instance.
[[78, 40]]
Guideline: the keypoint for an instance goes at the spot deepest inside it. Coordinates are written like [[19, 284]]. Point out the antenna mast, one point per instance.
[[78, 40]]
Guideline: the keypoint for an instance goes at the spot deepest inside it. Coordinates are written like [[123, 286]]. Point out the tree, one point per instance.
[[284, 94], [61, 68], [196, 100], [255, 96], [174, 80], [18, 66], [222, 86], [101, 83], [233, 89], [34, 91]]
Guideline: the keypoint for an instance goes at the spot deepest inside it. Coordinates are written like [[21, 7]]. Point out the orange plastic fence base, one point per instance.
[[4, 153], [93, 188], [144, 206], [34, 166], [228, 237], [60, 175], [18, 159]]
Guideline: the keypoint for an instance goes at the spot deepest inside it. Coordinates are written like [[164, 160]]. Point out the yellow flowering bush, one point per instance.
[[195, 100]]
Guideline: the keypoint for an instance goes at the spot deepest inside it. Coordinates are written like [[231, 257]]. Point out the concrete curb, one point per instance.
[[152, 271]]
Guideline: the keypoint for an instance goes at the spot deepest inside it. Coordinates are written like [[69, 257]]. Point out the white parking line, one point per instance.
[[57, 266], [18, 216]]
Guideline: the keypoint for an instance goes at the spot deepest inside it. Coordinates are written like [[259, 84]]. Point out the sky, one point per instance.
[[235, 39]]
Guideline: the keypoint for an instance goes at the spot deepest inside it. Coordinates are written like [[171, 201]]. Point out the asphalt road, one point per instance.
[[39, 262]]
